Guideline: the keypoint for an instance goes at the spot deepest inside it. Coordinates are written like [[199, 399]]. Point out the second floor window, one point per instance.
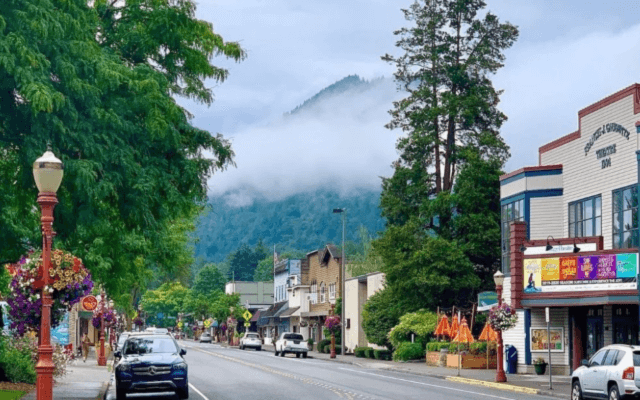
[[323, 293], [513, 211], [332, 291], [585, 217], [625, 217], [314, 292]]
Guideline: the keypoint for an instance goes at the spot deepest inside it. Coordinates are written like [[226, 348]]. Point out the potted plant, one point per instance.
[[310, 344], [540, 365]]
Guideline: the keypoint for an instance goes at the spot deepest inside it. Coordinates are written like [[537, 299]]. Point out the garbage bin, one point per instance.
[[511, 359]]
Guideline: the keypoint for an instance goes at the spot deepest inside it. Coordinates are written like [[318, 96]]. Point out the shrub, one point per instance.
[[382, 354], [437, 346], [361, 351], [323, 343], [408, 351], [310, 342], [478, 348], [380, 314], [327, 349], [18, 360], [369, 352], [421, 323]]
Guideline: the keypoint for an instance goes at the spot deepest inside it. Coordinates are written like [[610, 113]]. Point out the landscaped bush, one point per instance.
[[382, 354], [408, 351], [421, 324], [18, 360], [369, 353], [323, 343], [436, 346], [361, 351], [327, 349]]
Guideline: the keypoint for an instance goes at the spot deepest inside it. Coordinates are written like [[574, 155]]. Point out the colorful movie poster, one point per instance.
[[539, 340], [568, 268], [532, 275], [550, 270], [606, 267], [626, 265], [587, 268]]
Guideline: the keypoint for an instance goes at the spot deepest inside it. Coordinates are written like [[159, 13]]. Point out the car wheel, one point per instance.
[[183, 393], [121, 394], [304, 355], [282, 353], [576, 391], [297, 355], [276, 353], [259, 349], [614, 393]]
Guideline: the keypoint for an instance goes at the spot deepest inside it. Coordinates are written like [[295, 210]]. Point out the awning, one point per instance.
[[289, 312], [267, 316], [282, 310], [255, 316], [314, 314]]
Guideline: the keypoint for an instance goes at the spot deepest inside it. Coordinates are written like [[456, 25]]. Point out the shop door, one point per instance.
[[595, 336], [625, 324]]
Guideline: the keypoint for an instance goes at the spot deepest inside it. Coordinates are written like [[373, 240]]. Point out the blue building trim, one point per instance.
[[527, 196], [527, 336], [580, 301], [528, 174]]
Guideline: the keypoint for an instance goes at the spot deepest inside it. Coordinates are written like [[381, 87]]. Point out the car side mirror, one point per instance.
[[118, 354], [584, 363], [183, 352]]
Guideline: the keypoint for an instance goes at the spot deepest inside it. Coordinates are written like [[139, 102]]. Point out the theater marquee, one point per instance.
[[581, 273]]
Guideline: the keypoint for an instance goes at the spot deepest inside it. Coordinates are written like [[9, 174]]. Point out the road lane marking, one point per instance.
[[199, 392], [428, 384]]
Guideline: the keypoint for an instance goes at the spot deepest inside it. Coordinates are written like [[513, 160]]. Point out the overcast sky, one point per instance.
[[570, 54]]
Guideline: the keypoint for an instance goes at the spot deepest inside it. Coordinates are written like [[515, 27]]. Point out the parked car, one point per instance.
[[291, 343], [206, 338], [610, 373], [251, 339], [151, 363]]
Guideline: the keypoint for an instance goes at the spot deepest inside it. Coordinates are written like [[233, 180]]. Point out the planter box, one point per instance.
[[433, 358], [471, 362]]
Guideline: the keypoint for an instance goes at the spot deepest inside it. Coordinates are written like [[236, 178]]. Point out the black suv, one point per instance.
[[151, 363]]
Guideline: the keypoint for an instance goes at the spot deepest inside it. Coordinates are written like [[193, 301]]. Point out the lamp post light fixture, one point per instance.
[[102, 360], [342, 211], [47, 173], [498, 278], [549, 247]]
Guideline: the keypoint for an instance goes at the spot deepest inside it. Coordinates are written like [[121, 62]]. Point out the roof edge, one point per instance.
[[530, 169]]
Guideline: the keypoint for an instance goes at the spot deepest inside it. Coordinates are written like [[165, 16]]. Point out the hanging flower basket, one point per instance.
[[503, 317], [332, 323], [69, 282], [304, 324]]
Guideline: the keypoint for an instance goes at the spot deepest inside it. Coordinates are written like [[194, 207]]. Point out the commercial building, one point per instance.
[[570, 238]]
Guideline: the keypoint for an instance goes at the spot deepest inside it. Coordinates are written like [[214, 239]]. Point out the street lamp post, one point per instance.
[[102, 360], [498, 278], [342, 211], [47, 172]]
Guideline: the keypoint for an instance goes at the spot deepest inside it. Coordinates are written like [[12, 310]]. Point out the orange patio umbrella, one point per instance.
[[488, 334], [453, 330], [443, 326], [465, 335]]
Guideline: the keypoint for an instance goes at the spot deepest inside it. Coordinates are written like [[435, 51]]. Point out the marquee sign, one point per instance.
[[583, 273]]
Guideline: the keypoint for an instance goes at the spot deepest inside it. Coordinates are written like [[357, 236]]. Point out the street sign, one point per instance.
[[247, 315], [180, 324], [160, 315], [207, 323], [89, 303], [247, 324]]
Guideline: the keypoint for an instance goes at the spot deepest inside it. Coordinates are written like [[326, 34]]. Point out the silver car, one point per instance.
[[610, 374], [251, 339]]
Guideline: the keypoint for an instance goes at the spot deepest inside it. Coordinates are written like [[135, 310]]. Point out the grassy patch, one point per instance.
[[10, 394]]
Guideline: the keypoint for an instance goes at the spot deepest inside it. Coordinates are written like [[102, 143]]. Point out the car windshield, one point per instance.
[[123, 338], [293, 336], [149, 345]]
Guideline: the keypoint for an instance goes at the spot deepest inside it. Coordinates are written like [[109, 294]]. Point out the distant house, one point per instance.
[[253, 295], [357, 292]]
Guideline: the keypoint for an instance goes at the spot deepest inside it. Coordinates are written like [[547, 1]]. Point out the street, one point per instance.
[[220, 373]]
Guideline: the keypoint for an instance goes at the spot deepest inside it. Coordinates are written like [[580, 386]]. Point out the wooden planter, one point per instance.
[[471, 362], [433, 358]]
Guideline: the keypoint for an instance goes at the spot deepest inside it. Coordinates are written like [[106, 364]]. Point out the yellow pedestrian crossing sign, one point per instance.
[[207, 323], [180, 324], [247, 315]]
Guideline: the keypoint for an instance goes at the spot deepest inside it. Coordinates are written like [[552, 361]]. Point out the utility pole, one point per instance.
[[342, 211]]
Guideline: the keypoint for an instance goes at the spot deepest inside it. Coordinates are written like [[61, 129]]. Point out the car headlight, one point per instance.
[[180, 366], [124, 367]]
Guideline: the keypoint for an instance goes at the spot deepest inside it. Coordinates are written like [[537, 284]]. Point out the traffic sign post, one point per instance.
[[247, 324], [247, 315]]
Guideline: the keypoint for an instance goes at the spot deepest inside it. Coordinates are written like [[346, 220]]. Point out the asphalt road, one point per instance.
[[223, 373]]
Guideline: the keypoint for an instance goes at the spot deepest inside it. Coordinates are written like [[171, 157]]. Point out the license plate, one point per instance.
[[296, 341]]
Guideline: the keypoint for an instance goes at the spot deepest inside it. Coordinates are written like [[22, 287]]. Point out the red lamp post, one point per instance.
[[47, 172], [102, 360], [498, 278]]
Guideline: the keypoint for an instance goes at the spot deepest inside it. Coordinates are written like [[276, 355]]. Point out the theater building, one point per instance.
[[570, 238]]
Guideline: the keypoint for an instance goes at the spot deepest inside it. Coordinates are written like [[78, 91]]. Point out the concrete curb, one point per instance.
[[493, 385]]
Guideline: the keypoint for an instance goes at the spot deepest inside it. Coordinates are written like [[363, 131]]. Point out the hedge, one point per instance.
[[361, 351], [323, 343], [369, 352], [408, 351], [382, 355], [436, 346]]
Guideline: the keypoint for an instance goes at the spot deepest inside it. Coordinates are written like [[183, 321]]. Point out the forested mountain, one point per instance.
[[301, 222]]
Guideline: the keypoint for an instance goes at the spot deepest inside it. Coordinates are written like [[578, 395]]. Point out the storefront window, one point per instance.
[[585, 217], [513, 211], [625, 217]]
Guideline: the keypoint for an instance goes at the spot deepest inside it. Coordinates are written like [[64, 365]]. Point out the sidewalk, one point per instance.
[[83, 381], [532, 384]]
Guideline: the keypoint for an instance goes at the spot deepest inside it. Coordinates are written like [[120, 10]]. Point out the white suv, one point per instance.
[[612, 373], [291, 343]]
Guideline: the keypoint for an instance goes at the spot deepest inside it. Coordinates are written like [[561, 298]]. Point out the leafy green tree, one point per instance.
[[380, 314], [244, 261], [422, 324], [264, 271], [226, 306], [209, 280], [97, 83], [168, 299]]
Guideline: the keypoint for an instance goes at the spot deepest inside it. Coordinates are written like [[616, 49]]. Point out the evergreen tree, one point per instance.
[[209, 280]]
